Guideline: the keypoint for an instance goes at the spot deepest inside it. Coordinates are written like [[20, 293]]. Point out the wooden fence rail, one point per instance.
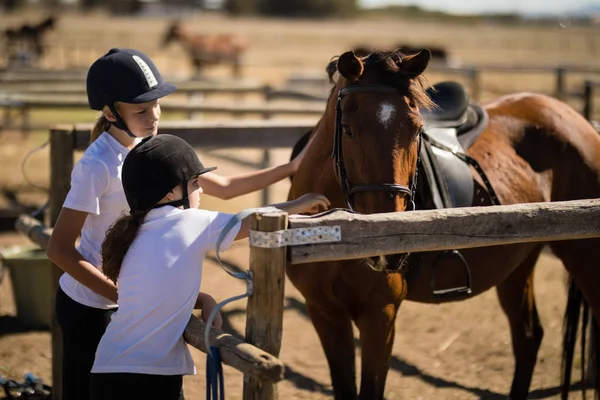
[[263, 134], [474, 75], [267, 110], [459, 228], [190, 88]]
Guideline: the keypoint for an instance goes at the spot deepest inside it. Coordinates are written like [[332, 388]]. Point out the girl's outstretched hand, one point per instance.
[[311, 202]]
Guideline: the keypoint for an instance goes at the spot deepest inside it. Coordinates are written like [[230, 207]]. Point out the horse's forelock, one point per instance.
[[389, 63]]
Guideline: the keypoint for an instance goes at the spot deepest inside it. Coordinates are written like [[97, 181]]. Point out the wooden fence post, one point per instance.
[[475, 85], [560, 83], [588, 100], [264, 321], [266, 156], [61, 165]]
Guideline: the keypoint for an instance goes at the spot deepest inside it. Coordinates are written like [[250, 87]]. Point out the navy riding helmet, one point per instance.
[[124, 75], [155, 166]]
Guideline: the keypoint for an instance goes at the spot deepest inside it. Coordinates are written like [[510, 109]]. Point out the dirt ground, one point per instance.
[[451, 351]]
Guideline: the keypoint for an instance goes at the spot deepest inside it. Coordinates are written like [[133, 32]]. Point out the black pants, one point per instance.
[[136, 387], [82, 327]]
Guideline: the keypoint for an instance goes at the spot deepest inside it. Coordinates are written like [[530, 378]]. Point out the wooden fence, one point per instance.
[[33, 96], [267, 110], [395, 233], [188, 87], [474, 74], [589, 87]]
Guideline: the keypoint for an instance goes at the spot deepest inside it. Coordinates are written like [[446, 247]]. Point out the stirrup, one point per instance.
[[454, 293]]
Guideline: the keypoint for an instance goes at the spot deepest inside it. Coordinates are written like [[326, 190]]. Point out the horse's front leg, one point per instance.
[[334, 327], [376, 325]]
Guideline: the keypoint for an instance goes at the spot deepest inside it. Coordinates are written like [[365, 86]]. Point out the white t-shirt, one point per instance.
[[159, 283], [96, 189]]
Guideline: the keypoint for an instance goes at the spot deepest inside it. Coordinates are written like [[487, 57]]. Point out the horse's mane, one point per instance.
[[386, 62]]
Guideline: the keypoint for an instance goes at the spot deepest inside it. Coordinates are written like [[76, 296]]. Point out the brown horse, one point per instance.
[[377, 129], [27, 42], [207, 50]]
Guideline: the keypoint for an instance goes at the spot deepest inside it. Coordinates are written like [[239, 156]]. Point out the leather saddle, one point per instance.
[[451, 127]]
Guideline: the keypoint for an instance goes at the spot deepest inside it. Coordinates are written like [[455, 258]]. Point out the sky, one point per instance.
[[476, 6]]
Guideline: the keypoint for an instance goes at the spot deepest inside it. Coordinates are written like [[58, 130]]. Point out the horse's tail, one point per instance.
[[576, 306]]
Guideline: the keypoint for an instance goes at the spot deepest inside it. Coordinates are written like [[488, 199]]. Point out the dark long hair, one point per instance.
[[119, 238]]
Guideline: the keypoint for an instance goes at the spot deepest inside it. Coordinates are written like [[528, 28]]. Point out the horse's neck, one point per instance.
[[43, 26], [189, 41]]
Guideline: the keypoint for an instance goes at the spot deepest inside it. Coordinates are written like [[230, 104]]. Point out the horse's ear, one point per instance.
[[350, 66], [415, 64]]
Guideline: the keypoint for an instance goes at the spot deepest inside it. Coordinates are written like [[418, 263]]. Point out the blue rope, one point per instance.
[[215, 384], [214, 366]]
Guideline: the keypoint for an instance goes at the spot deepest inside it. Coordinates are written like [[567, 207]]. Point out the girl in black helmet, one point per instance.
[[156, 253], [125, 86]]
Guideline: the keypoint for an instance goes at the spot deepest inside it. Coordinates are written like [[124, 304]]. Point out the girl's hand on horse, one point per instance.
[[310, 202]]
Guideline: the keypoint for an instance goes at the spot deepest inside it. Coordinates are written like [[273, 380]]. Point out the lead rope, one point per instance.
[[215, 385]]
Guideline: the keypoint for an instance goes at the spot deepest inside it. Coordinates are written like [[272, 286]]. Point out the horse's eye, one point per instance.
[[347, 132]]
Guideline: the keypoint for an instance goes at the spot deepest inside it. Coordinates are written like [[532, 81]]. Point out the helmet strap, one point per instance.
[[119, 123], [184, 201]]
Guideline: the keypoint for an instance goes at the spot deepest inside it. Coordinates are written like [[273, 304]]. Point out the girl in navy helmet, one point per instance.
[[125, 86], [155, 254]]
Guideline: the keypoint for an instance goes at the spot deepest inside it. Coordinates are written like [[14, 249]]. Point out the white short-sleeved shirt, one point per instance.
[[96, 189], [159, 283]]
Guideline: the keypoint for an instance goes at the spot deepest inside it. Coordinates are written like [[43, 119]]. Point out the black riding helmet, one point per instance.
[[124, 75], [154, 167]]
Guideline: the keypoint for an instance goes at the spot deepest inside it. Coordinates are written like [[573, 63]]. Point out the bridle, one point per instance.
[[348, 189]]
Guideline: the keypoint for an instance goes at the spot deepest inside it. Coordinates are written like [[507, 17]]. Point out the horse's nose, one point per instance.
[[392, 262]]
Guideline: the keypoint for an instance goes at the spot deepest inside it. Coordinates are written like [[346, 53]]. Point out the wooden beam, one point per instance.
[[46, 102], [248, 359], [61, 165], [588, 98], [62, 88], [211, 134], [264, 321], [431, 230], [34, 230]]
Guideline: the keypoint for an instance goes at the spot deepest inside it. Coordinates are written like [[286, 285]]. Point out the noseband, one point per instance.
[[348, 189]]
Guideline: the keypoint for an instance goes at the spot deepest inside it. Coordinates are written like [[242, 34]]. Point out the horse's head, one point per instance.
[[377, 124], [171, 34], [49, 22], [377, 127]]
